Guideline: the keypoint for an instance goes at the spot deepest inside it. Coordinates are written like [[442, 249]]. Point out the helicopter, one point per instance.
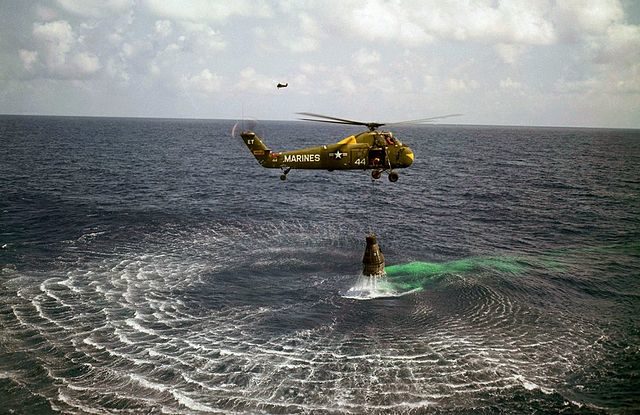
[[373, 149]]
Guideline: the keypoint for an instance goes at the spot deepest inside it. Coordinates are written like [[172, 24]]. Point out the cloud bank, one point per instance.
[[564, 62]]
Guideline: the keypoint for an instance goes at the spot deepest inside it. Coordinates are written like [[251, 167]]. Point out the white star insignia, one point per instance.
[[338, 155]]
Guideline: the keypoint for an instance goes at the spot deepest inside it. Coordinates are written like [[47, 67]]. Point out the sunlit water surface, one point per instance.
[[151, 266]]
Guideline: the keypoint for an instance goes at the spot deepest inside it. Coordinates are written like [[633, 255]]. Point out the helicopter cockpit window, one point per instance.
[[390, 139]]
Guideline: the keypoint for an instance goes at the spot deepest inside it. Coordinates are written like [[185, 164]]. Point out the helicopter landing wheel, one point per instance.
[[376, 174], [393, 176], [286, 171]]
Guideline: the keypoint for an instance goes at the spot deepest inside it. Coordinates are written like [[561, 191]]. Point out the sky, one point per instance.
[[519, 62]]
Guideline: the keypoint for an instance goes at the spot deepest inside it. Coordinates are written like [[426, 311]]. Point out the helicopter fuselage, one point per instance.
[[375, 150]]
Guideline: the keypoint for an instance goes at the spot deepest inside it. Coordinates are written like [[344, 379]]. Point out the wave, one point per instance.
[[246, 317]]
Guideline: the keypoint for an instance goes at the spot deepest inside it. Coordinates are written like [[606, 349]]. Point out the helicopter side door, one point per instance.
[[376, 158]]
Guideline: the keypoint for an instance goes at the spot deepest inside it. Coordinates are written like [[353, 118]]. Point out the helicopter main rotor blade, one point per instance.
[[426, 120], [371, 125], [326, 117], [328, 121], [334, 120]]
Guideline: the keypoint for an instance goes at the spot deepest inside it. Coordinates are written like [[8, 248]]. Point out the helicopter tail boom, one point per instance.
[[259, 150]]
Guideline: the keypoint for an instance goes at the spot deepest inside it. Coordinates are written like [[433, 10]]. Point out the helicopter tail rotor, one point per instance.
[[242, 126]]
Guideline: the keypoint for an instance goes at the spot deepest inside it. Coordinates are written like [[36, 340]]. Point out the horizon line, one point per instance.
[[297, 120]]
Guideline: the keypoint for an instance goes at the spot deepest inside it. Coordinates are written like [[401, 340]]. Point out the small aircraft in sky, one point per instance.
[[378, 151], [280, 85]]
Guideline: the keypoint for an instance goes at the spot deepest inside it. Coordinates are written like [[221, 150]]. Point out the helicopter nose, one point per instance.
[[407, 157]]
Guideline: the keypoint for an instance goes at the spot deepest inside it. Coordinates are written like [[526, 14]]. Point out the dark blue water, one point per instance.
[[151, 266]]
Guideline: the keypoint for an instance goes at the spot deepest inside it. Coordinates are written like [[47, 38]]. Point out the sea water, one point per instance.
[[152, 266]]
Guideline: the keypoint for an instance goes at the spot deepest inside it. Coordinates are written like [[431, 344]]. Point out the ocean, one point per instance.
[[152, 266]]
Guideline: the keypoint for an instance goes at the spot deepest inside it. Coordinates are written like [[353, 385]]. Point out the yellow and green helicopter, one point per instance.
[[378, 151]]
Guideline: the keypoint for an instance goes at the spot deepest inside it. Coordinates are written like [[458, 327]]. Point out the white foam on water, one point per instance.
[[131, 322], [370, 287], [63, 397], [136, 361], [528, 385], [228, 351], [190, 403], [156, 354], [147, 383], [122, 337], [179, 396], [69, 282]]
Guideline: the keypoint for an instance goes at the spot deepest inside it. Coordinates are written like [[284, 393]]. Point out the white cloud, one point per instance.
[[605, 82], [56, 41], [526, 22], [117, 69], [46, 14], [386, 21], [163, 28], [345, 81], [509, 53], [130, 50], [620, 45], [28, 58], [340, 82], [96, 8], [366, 58], [340, 54], [462, 85], [204, 82], [252, 81], [83, 64], [56, 38], [201, 38], [305, 39], [575, 19], [372, 73], [413, 23], [510, 84], [428, 80], [205, 10]]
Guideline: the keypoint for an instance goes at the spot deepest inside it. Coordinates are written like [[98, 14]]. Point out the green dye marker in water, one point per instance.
[[418, 274]]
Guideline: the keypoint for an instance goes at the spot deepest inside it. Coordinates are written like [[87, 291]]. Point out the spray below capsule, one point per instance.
[[372, 283]]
